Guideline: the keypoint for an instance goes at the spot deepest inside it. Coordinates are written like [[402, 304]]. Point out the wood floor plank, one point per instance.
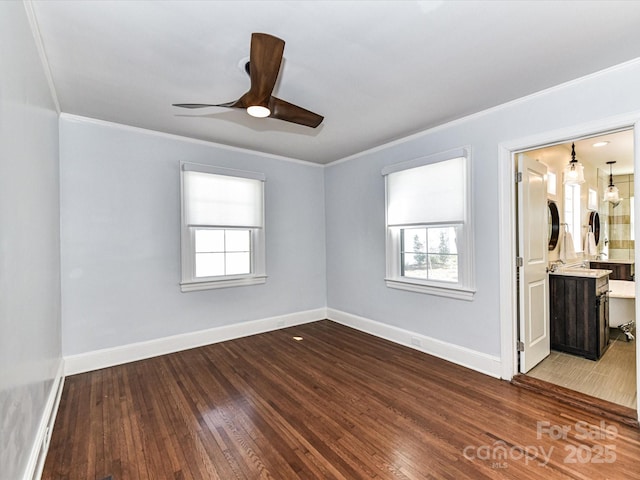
[[338, 404]]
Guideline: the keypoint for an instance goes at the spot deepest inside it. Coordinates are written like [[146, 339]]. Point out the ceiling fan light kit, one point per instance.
[[264, 65], [258, 111]]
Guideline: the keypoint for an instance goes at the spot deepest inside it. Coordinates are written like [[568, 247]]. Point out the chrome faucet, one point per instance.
[[553, 266]]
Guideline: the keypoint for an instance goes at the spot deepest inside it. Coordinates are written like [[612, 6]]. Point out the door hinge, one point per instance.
[[518, 177], [520, 346], [519, 262]]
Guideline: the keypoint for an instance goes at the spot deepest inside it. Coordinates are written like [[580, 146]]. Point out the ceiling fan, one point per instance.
[[263, 68]]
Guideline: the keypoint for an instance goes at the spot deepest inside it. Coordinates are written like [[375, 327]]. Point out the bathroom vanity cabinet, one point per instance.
[[579, 314], [619, 270]]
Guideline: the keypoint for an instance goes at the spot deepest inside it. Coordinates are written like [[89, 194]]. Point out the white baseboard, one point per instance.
[[45, 429], [478, 361], [108, 357]]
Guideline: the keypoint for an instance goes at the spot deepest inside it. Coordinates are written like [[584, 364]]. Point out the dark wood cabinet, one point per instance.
[[619, 271], [579, 315]]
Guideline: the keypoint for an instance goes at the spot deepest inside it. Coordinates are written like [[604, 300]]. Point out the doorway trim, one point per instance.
[[507, 224]]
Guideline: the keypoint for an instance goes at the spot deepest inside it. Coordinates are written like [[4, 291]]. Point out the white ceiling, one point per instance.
[[378, 71], [619, 149]]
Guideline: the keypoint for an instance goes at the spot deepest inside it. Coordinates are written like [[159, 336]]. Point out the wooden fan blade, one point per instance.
[[193, 105], [292, 113], [235, 104], [265, 59]]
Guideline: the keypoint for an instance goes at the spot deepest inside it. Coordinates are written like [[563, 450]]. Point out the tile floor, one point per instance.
[[612, 378]]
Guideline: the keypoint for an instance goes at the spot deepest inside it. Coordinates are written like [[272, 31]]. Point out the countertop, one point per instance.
[[613, 261], [582, 272]]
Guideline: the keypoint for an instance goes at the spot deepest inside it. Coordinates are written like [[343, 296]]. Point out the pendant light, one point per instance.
[[611, 194], [574, 171]]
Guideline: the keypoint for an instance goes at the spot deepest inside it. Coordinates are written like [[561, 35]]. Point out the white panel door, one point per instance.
[[533, 245]]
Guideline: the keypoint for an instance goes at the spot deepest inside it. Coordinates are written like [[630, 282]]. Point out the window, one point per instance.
[[552, 183], [221, 252], [572, 214], [592, 202], [429, 253], [632, 236], [428, 225], [222, 227]]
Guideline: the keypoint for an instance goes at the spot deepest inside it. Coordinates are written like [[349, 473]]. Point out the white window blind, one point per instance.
[[428, 194], [222, 200]]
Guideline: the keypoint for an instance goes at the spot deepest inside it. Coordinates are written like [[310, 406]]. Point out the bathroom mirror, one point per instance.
[[594, 224], [554, 225]]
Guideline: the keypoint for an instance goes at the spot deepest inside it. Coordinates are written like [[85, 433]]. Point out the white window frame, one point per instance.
[[189, 281], [463, 289]]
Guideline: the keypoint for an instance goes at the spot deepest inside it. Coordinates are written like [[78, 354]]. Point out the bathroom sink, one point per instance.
[[582, 272]]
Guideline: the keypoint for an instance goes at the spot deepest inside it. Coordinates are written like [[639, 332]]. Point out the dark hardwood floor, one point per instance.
[[338, 404]]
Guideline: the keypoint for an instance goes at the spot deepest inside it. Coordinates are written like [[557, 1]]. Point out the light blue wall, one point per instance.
[[30, 344], [355, 209], [120, 208], [120, 219]]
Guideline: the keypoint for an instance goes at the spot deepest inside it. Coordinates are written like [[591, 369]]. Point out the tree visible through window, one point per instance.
[[418, 247]]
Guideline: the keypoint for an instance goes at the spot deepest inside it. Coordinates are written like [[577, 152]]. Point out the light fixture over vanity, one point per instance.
[[611, 194], [574, 171]]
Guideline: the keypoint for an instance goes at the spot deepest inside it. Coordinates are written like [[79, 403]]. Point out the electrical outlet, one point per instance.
[[415, 341]]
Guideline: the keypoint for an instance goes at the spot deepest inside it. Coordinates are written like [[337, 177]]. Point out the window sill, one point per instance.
[[223, 283], [456, 292]]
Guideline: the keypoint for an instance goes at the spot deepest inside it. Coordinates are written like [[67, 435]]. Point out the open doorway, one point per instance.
[[576, 317]]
